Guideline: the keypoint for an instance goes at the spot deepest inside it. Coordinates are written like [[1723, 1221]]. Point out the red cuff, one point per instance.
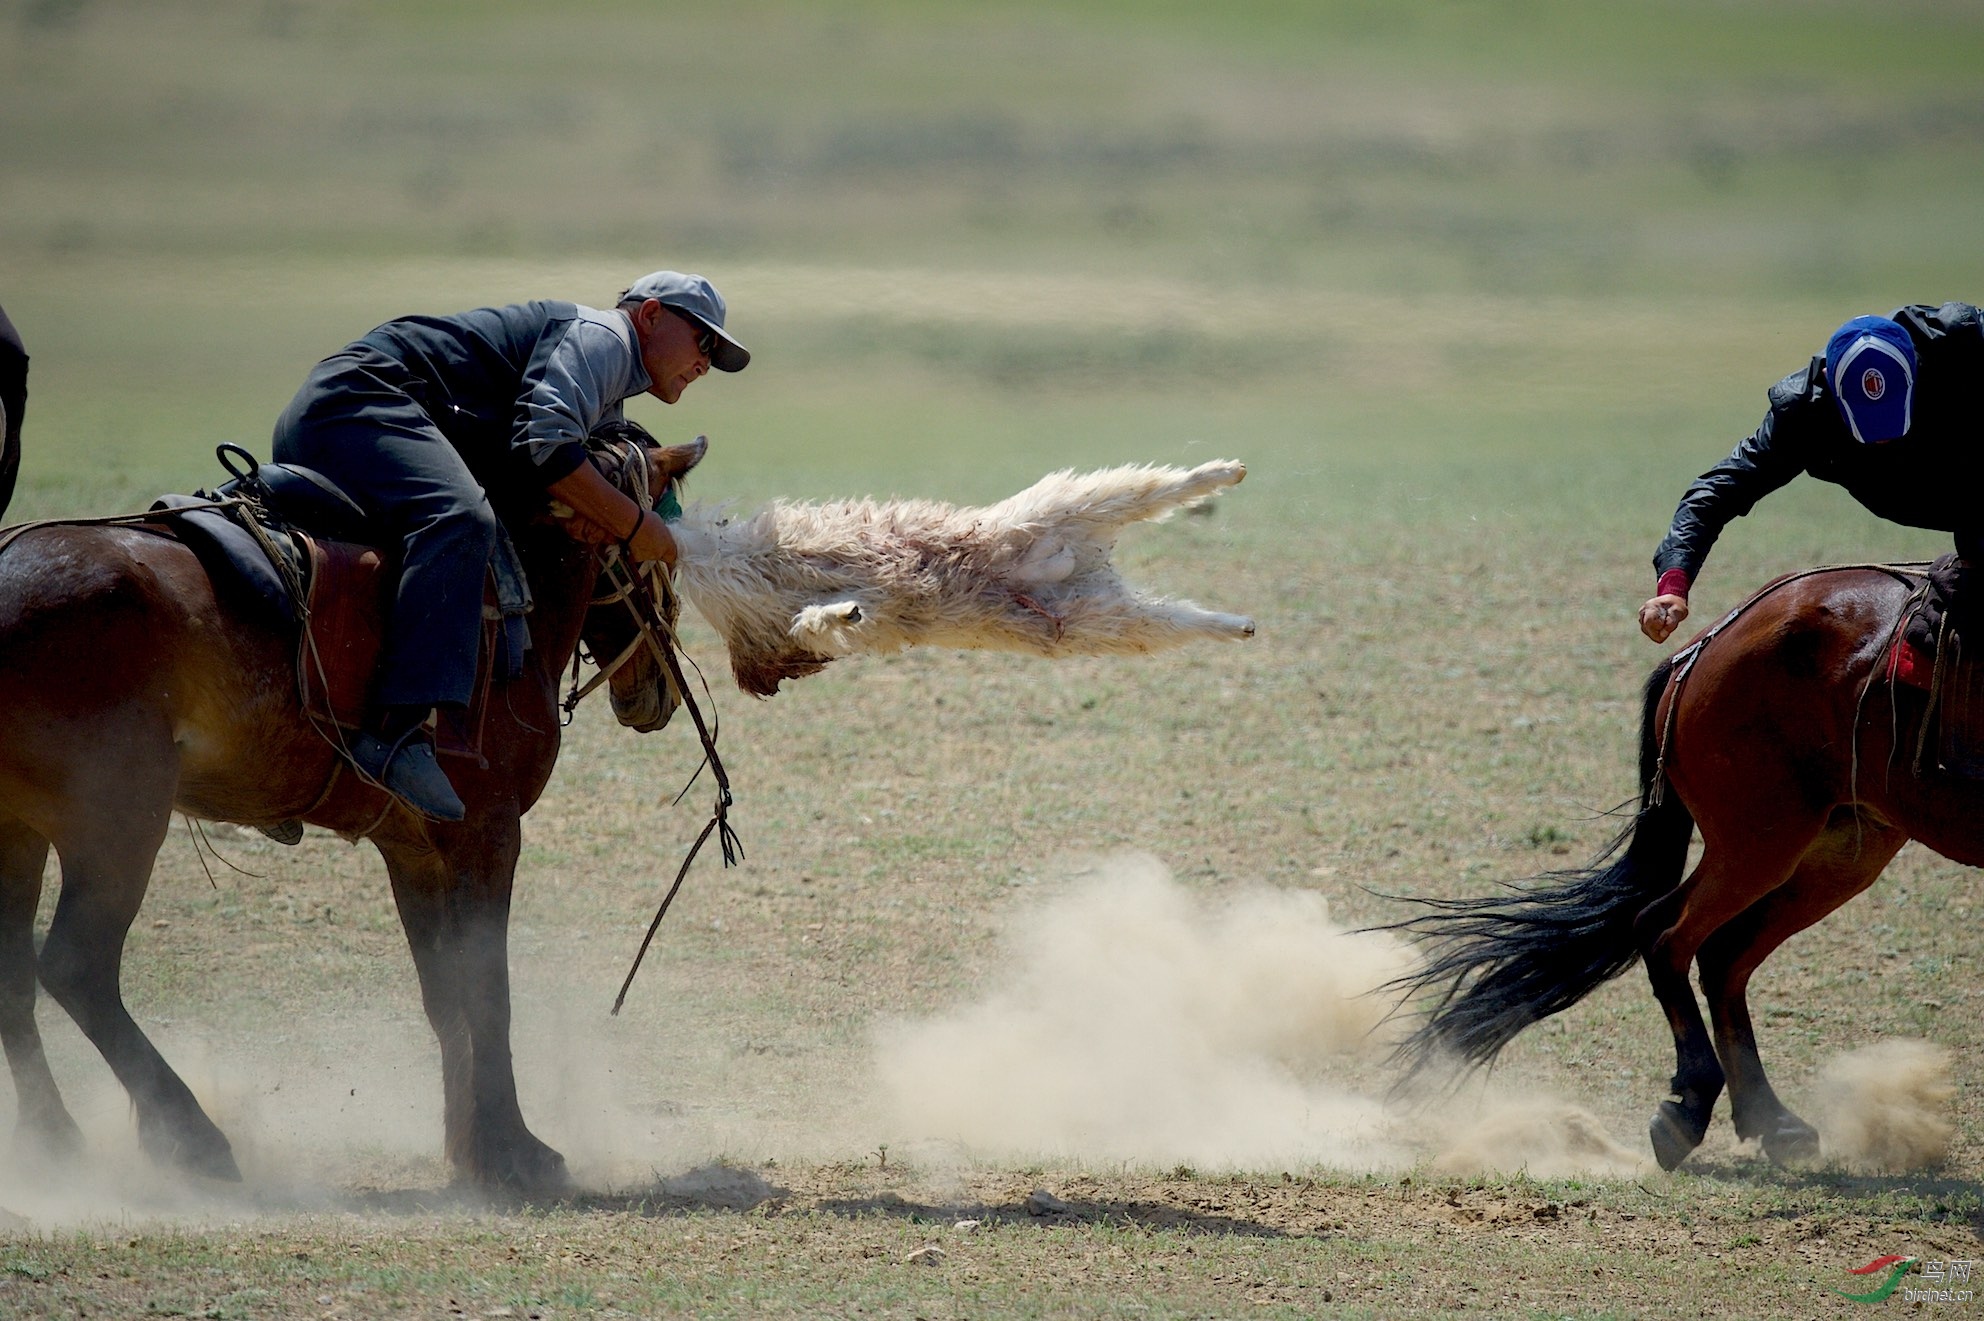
[[1673, 583]]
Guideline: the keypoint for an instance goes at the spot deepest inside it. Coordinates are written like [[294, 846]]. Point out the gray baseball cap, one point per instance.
[[698, 298]]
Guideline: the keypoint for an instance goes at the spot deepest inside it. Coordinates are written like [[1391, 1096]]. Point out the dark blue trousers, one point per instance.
[[359, 419]]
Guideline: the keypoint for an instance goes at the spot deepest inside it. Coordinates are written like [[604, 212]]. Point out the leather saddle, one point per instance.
[[286, 544], [251, 550]]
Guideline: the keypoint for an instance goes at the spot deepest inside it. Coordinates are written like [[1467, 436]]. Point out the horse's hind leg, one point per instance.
[[43, 1124], [1682, 1120], [106, 866], [1844, 862], [1671, 930]]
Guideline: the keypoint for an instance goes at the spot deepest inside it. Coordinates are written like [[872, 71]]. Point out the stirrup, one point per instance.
[[284, 832]]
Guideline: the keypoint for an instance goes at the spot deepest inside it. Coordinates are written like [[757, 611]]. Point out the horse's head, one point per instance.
[[648, 472]]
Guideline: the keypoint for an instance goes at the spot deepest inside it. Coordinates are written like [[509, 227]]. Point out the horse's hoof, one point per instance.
[[1792, 1142], [1674, 1135], [533, 1171], [204, 1162], [206, 1154], [544, 1176], [208, 1161], [48, 1137]]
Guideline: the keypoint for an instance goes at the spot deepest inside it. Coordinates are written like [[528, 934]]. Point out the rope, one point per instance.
[[656, 633], [153, 518]]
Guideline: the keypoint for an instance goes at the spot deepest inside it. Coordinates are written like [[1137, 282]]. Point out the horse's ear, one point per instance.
[[667, 463]]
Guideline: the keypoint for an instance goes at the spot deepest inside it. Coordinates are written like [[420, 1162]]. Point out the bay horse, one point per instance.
[[130, 689], [1782, 734]]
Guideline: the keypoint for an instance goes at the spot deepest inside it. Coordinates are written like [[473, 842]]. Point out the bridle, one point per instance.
[[607, 669]]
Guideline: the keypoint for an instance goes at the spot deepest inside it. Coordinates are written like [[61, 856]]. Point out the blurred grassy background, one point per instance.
[[1474, 288], [965, 237]]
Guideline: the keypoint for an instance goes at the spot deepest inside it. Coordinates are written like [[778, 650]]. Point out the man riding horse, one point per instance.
[[1893, 411], [442, 427]]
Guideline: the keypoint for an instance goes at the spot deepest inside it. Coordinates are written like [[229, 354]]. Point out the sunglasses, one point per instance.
[[705, 337]]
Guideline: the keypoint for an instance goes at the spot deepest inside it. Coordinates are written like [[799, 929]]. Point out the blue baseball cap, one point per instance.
[[698, 298], [1870, 367]]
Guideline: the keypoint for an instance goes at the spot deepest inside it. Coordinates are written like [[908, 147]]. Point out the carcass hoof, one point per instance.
[[1674, 1134], [1792, 1142]]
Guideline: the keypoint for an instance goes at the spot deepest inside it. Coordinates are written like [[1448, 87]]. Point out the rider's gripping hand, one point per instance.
[[651, 540], [1663, 614]]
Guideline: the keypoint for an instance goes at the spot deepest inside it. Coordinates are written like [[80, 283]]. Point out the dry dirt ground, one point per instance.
[[861, 1239]]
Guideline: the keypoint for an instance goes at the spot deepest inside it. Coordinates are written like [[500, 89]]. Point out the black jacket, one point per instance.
[[1933, 477], [516, 389]]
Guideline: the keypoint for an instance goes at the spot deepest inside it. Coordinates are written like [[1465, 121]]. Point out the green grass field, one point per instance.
[[1473, 289]]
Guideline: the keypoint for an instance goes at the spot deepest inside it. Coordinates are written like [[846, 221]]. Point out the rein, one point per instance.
[[646, 591], [636, 586]]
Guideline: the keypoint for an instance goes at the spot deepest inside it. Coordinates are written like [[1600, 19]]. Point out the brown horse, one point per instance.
[[1781, 735], [131, 689]]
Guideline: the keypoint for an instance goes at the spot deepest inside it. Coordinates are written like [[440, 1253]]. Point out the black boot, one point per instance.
[[399, 758]]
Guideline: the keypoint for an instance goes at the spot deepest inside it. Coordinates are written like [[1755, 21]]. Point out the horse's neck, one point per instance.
[[562, 573]]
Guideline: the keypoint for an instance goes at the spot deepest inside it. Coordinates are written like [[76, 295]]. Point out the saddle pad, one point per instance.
[[338, 657], [233, 559]]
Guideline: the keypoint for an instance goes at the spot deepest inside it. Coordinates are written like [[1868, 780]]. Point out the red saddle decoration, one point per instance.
[[1910, 665]]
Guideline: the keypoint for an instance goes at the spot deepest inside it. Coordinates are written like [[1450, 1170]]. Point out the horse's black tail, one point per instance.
[[13, 402], [1494, 966]]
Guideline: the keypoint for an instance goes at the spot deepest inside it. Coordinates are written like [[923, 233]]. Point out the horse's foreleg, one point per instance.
[[1844, 863], [454, 903], [43, 1123], [105, 869]]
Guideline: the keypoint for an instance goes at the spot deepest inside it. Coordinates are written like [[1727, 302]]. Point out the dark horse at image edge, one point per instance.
[[130, 689], [1782, 736]]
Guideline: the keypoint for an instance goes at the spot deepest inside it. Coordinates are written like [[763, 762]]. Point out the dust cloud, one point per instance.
[[342, 1104], [1542, 1137], [1883, 1109], [1133, 1022], [1136, 1022]]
